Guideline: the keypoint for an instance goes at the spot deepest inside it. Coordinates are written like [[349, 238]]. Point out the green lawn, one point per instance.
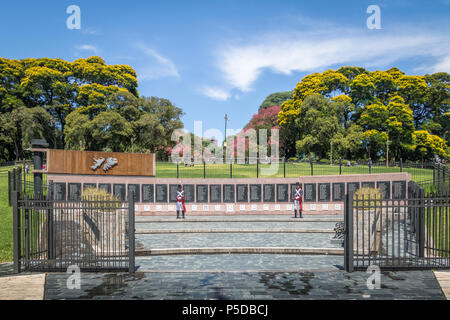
[[169, 170], [6, 232]]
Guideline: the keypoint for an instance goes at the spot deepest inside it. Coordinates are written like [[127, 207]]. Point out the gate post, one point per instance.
[[16, 231], [348, 241], [38, 144], [131, 231]]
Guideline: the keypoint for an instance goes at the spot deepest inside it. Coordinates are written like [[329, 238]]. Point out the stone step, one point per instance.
[[174, 220], [241, 250], [275, 230]]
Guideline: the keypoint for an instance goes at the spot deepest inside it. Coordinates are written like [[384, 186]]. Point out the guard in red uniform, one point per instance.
[[298, 195], [180, 202]]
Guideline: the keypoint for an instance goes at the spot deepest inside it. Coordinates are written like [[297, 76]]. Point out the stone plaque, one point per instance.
[[269, 193], [119, 191], [148, 193], [173, 192], [136, 189], [228, 193], [282, 193], [161, 193], [255, 193], [202, 193], [324, 192], [292, 193], [338, 191], [367, 184], [89, 186], [242, 192], [59, 191], [309, 193], [189, 193], [385, 188], [105, 186], [352, 186], [398, 190], [74, 191], [215, 193]]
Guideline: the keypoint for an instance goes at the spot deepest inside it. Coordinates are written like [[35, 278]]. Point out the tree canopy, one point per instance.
[[362, 111], [85, 104]]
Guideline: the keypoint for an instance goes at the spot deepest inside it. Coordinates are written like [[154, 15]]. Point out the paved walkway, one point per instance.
[[308, 285], [443, 277], [22, 287]]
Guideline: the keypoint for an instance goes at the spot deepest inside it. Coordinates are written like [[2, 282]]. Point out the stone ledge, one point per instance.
[[241, 250], [241, 220], [171, 231]]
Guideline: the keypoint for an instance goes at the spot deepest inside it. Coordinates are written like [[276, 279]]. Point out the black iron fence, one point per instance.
[[408, 233], [255, 168], [23, 182], [93, 234]]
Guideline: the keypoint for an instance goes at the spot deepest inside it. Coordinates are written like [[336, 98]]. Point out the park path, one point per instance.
[[443, 277], [22, 287]]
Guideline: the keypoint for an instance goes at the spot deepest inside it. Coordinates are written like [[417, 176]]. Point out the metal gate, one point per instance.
[[92, 234], [408, 233]]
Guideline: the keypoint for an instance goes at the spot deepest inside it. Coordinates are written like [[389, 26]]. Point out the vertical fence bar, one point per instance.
[[257, 167], [27, 231], [348, 222], [231, 170], [284, 167], [16, 231], [50, 221], [178, 170], [19, 179], [9, 188], [131, 232], [401, 165], [14, 180], [311, 164], [434, 173], [204, 169], [340, 166], [421, 231]]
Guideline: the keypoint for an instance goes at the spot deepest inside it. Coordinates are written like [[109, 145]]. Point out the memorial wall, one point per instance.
[[154, 196]]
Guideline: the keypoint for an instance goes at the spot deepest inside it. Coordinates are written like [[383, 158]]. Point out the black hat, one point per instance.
[[297, 184]]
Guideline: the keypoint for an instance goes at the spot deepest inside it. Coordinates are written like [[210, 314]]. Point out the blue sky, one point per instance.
[[215, 57]]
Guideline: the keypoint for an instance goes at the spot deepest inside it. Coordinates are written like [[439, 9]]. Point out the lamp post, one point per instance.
[[387, 151], [225, 138]]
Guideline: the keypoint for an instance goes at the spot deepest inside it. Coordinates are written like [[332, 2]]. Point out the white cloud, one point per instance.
[[216, 93], [157, 67], [241, 65], [87, 47], [442, 66]]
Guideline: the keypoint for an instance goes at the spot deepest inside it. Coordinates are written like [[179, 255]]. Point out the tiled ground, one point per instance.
[[246, 285]]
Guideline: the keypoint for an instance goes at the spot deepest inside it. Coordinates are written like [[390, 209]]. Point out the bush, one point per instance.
[[364, 194], [101, 194]]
